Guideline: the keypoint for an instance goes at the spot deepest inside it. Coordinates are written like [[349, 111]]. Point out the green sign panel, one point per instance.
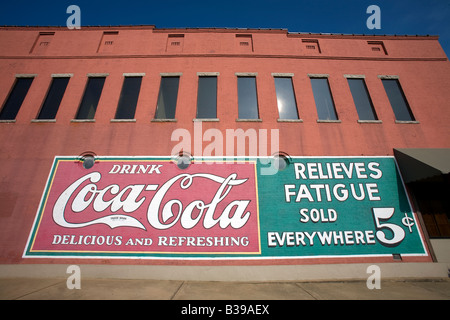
[[331, 207]]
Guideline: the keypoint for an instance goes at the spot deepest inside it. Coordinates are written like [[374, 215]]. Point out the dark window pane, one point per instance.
[[247, 98], [15, 98], [167, 99], [128, 98], [53, 99], [91, 97], [287, 107], [397, 99], [207, 97], [362, 100], [323, 99]]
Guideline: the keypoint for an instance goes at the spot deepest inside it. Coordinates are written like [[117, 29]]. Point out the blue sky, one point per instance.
[[318, 16]]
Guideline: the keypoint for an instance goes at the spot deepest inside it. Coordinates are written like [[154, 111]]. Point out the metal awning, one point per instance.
[[417, 164]]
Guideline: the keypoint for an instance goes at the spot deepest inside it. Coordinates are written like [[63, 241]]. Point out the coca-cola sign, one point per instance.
[[140, 207], [313, 208]]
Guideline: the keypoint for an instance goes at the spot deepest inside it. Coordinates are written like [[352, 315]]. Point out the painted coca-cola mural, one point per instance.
[[310, 208], [148, 206]]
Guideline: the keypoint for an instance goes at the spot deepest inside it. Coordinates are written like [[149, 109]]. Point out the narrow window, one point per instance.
[[53, 99], [15, 98], [91, 97], [167, 99], [323, 99], [362, 100], [287, 107], [207, 97], [247, 98], [398, 100], [128, 98]]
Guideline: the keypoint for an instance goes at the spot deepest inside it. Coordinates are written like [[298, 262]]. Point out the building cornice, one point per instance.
[[225, 30]]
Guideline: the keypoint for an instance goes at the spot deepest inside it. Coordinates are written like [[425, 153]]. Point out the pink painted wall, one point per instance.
[[28, 148]]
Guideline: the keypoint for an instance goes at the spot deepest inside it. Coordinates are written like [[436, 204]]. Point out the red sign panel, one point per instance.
[[145, 207]]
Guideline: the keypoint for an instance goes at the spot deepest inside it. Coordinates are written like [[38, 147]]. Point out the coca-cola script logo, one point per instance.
[[147, 207]]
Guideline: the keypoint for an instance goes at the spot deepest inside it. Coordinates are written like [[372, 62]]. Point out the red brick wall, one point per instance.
[[28, 148]]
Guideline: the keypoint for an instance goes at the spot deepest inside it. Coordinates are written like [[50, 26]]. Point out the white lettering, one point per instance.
[[299, 169], [337, 238], [323, 192], [112, 221], [374, 167], [237, 220], [130, 198]]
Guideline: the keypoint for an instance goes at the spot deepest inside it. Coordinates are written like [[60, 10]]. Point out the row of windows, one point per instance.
[[207, 98]]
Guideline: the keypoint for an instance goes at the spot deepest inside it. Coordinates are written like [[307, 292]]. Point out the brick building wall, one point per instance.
[[43, 53]]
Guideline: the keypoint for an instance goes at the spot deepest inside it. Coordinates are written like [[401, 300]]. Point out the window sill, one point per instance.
[[406, 122], [82, 120], [248, 120], [43, 120], [370, 121], [206, 119], [7, 121], [122, 120], [328, 121], [164, 120], [290, 120]]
